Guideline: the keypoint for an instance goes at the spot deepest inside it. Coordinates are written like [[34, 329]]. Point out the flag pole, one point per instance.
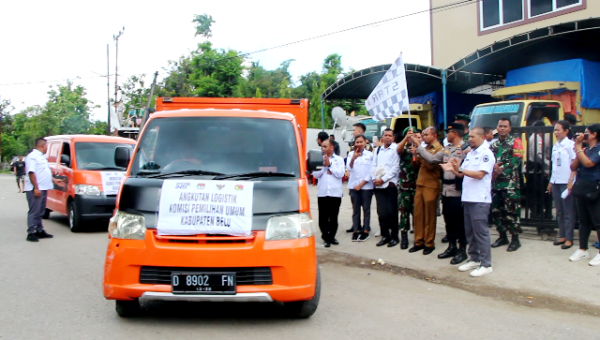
[[414, 157]]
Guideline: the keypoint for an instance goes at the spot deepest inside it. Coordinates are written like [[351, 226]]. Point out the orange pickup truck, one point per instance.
[[215, 207]]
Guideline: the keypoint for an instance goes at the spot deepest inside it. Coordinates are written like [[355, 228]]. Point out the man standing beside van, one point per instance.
[[38, 181], [506, 187], [329, 192]]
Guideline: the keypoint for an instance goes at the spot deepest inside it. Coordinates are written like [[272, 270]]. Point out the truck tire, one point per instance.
[[74, 218], [128, 309], [46, 214], [305, 309]]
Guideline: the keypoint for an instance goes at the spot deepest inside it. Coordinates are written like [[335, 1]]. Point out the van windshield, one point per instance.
[[219, 145], [97, 156], [488, 115]]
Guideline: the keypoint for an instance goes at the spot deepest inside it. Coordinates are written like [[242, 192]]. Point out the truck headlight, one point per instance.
[[84, 189], [127, 226], [289, 227]]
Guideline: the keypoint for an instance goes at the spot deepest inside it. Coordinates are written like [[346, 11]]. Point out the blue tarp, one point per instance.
[[585, 72], [456, 103]]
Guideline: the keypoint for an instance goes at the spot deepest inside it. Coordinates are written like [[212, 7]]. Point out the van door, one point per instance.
[[52, 156], [64, 172]]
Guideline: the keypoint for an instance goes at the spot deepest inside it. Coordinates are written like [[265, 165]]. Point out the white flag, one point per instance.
[[390, 96]]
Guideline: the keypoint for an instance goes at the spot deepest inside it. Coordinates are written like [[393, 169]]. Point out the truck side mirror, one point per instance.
[[122, 156], [315, 160], [66, 160]]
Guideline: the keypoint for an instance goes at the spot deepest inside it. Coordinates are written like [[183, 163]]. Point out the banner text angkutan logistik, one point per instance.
[[208, 205]]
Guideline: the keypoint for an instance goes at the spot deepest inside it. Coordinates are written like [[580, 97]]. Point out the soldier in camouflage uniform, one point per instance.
[[407, 186], [506, 186]]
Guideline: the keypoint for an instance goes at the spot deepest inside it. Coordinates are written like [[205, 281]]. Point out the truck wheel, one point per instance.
[[46, 214], [74, 218], [128, 309], [305, 309]]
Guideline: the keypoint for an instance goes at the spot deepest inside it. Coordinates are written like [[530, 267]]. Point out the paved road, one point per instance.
[[52, 290]]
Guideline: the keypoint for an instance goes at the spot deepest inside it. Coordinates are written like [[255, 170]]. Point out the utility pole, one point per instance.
[[108, 87], [116, 39]]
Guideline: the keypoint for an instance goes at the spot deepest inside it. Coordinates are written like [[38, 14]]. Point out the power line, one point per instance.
[[52, 81]]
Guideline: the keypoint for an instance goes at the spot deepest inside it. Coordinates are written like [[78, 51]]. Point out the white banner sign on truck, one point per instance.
[[192, 207], [111, 181]]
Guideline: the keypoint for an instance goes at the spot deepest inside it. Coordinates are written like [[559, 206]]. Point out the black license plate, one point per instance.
[[205, 283]]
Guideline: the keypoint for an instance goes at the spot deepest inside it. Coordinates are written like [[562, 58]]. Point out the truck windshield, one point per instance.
[[488, 115], [220, 145], [97, 156]]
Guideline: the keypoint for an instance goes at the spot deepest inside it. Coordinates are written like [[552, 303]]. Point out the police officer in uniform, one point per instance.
[[476, 171], [506, 192], [451, 197]]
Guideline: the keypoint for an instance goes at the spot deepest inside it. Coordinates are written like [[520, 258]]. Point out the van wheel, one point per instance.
[[74, 218], [305, 309], [128, 309], [46, 214]]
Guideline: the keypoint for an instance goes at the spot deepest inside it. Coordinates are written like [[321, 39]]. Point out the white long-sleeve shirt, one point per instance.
[[388, 160], [330, 185], [361, 170], [563, 154]]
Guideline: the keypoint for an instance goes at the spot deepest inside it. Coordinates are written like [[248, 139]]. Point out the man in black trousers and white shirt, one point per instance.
[[329, 192], [385, 169]]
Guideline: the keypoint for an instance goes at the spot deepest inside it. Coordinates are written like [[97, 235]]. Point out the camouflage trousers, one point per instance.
[[506, 210], [406, 206]]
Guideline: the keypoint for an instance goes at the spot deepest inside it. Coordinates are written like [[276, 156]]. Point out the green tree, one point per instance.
[[135, 94], [67, 110], [202, 24]]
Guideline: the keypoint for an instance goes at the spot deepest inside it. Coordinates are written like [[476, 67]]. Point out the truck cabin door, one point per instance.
[[546, 112]]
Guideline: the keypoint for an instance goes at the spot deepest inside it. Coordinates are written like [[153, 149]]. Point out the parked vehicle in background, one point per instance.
[[92, 179], [214, 207]]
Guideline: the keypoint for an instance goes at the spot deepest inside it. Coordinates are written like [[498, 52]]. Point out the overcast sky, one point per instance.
[[46, 42]]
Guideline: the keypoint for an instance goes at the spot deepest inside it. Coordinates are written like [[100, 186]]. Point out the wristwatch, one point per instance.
[[460, 170]]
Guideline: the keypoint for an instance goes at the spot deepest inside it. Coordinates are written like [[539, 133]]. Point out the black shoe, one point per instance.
[[363, 237], [412, 231], [351, 230], [428, 250], [32, 238], [334, 242], [460, 257], [404, 240], [415, 249], [383, 242], [558, 243], [564, 246], [514, 243], [326, 244], [393, 243], [445, 239], [355, 237], [501, 241], [43, 234], [450, 252]]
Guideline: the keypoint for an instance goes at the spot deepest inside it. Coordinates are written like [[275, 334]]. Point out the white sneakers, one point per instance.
[[579, 255], [596, 261], [476, 268], [481, 271], [378, 234], [470, 265]]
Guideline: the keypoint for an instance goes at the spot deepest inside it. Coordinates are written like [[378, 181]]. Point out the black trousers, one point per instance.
[[361, 199], [387, 211], [329, 209], [589, 219], [454, 218]]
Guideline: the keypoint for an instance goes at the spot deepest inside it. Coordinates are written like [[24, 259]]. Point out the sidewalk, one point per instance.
[[538, 268]]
